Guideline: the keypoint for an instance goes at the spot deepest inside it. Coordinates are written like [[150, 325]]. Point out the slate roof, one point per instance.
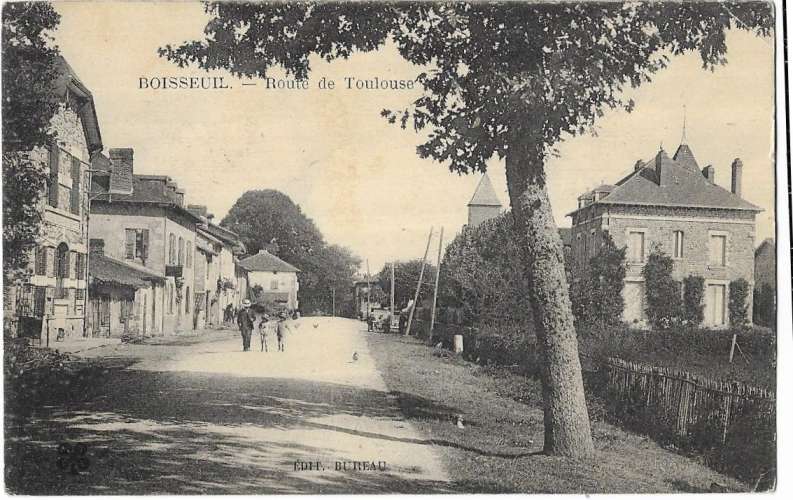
[[265, 261], [109, 270], [485, 195], [147, 189], [680, 184]]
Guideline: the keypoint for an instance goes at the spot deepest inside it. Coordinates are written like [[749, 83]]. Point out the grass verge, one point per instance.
[[498, 448]]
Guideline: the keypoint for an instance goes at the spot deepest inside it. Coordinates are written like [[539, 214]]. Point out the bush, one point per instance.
[[764, 310], [739, 303], [693, 306], [664, 301], [596, 296]]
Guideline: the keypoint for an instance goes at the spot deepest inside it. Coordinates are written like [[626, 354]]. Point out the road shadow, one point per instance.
[[194, 433]]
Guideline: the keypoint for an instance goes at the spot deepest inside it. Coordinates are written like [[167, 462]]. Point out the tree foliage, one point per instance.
[[693, 305], [481, 273], [664, 300], [489, 63], [406, 277], [29, 102], [270, 220], [596, 296], [738, 304]]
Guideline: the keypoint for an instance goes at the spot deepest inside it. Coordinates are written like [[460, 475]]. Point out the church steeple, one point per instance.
[[484, 203]]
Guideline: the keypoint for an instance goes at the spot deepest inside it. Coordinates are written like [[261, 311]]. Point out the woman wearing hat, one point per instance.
[[245, 322]]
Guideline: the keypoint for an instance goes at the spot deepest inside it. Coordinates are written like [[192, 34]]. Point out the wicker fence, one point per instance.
[[731, 423]]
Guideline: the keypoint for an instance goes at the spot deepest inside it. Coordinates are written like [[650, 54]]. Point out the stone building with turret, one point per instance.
[[674, 204]]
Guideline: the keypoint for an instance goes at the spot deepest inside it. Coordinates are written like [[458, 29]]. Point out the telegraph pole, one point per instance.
[[418, 287], [393, 263], [437, 277]]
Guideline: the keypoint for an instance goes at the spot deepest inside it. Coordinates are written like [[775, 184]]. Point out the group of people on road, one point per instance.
[[248, 320]]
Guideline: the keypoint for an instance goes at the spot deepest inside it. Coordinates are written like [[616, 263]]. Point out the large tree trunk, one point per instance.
[[567, 430]]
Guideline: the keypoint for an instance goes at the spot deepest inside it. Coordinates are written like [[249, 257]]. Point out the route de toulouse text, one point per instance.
[[269, 83]]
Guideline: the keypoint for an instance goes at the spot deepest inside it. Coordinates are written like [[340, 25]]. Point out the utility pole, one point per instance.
[[393, 263], [437, 277], [368, 291], [418, 287]]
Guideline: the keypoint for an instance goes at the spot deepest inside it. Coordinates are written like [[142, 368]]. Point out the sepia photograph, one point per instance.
[[393, 247]]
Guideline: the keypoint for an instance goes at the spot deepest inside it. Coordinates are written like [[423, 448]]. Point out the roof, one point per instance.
[[69, 84], [146, 189], [106, 269], [265, 261], [485, 195], [676, 182]]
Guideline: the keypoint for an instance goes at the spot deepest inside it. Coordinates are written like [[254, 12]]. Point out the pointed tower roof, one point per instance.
[[685, 157], [485, 195]]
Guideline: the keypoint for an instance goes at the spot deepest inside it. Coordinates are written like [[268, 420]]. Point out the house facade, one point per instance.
[[672, 204], [50, 304], [141, 221], [277, 279], [119, 296], [220, 249]]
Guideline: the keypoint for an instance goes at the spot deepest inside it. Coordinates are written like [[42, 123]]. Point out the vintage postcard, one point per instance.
[[391, 247]]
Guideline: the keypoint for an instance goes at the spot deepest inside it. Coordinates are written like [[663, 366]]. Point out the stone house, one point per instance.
[[220, 250], [119, 296], [673, 204], [50, 304], [142, 221], [277, 278]]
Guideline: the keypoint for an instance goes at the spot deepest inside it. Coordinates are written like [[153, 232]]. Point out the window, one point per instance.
[[715, 304], [189, 259], [64, 190], [636, 246], [81, 266], [137, 244], [180, 260], [274, 284], [718, 249], [41, 261], [678, 245], [61, 270], [171, 249]]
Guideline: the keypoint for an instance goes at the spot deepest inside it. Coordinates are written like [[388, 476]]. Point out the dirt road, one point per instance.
[[208, 418]]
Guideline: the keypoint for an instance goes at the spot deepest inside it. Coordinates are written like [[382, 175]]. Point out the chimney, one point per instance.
[[710, 174], [638, 165], [96, 246], [737, 172], [121, 170]]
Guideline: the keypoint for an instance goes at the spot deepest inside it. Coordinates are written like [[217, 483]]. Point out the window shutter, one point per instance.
[[53, 188], [66, 264], [41, 261], [130, 244], [144, 251], [75, 193], [49, 261]]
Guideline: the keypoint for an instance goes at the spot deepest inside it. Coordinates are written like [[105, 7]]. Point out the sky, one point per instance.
[[357, 176]]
